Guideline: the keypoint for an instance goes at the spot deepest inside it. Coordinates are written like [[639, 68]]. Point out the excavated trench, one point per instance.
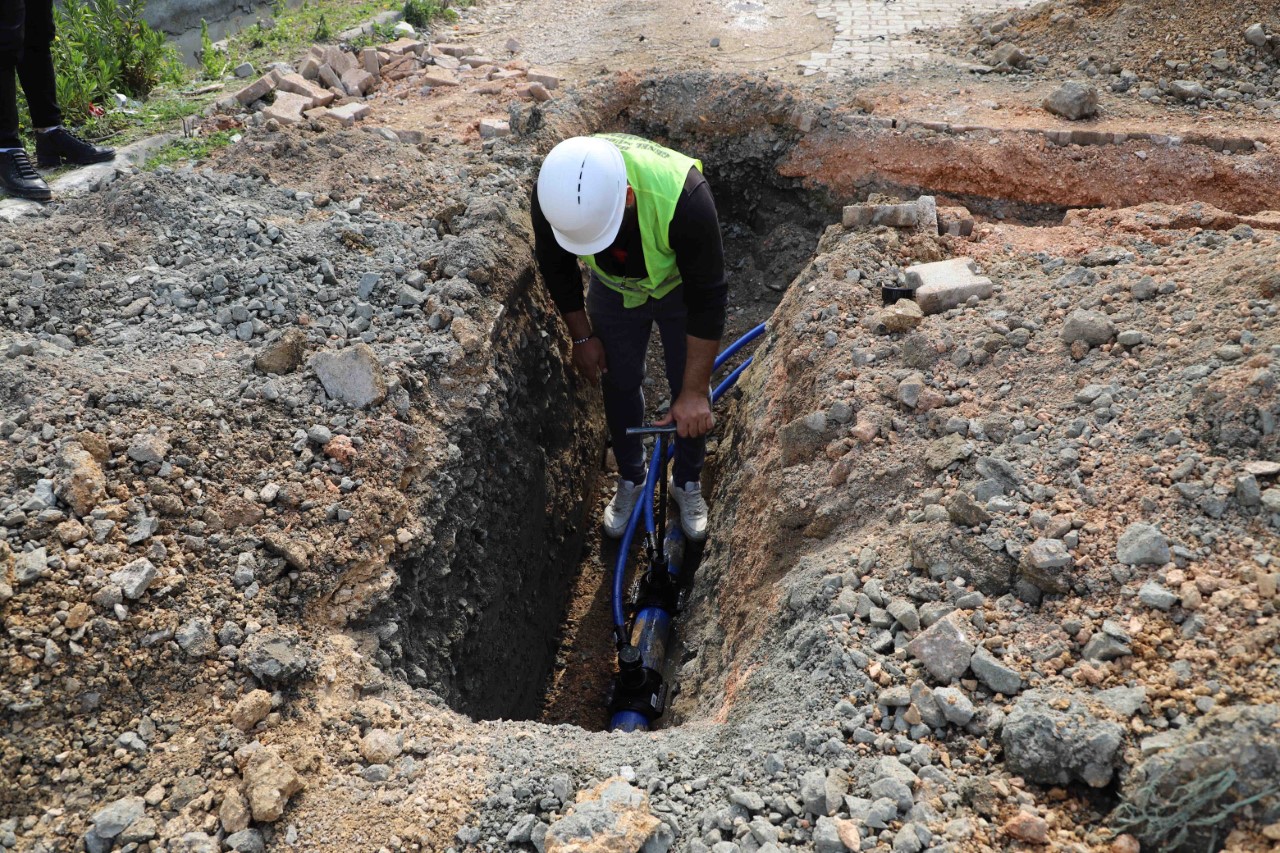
[[504, 614]]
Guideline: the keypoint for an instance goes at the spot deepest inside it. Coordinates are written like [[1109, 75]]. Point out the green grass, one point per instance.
[[100, 27], [295, 29], [188, 150]]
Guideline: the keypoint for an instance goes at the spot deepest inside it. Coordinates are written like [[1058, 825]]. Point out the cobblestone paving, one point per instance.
[[874, 36]]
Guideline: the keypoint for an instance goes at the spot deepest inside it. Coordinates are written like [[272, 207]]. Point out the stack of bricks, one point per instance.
[[331, 84]]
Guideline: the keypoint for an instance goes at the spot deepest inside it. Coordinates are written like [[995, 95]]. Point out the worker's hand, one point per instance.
[[588, 359], [692, 415]]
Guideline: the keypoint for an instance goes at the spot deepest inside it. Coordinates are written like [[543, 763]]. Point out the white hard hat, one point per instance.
[[582, 190]]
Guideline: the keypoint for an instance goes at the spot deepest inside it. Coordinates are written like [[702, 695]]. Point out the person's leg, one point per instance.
[[670, 313], [55, 144], [625, 335], [35, 69], [11, 30], [17, 177]]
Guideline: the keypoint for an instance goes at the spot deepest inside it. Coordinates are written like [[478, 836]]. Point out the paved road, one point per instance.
[[874, 36]]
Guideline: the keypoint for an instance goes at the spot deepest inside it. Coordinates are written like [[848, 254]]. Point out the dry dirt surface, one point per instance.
[[298, 490], [583, 38]]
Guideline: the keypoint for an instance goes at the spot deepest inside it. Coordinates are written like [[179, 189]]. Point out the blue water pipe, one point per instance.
[[733, 348], [651, 629]]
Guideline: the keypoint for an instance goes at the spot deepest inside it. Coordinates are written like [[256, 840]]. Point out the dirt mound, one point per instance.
[[1139, 46]]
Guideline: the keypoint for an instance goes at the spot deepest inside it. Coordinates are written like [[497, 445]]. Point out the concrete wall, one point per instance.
[[178, 16]]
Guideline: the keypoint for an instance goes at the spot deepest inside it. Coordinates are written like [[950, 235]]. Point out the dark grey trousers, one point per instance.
[[625, 335]]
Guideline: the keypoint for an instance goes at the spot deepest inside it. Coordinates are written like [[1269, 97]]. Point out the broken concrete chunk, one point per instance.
[[148, 448], [546, 78], [534, 92], [1045, 563], [358, 82], [1142, 545], [115, 818], [944, 649], [309, 67], [943, 285], [297, 84], [369, 60], [893, 215], [994, 674], [612, 816], [403, 46], [352, 376], [439, 77], [276, 657], [955, 221], [491, 128], [134, 578], [287, 108], [347, 114], [330, 77], [257, 90], [339, 60]]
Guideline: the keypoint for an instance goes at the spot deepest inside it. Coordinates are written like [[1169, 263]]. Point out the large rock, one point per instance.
[[944, 648], [115, 818], [1089, 327], [195, 637], [994, 674], [944, 551], [902, 316], [134, 578], [1234, 750], [80, 481], [611, 818], [234, 811], [352, 376], [269, 781], [380, 746], [1053, 738], [1073, 101], [282, 355], [822, 792], [276, 657], [252, 709], [1142, 545], [1045, 563], [1188, 90]]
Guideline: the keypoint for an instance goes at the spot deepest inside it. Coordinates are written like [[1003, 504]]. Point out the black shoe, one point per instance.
[[18, 178], [62, 146]]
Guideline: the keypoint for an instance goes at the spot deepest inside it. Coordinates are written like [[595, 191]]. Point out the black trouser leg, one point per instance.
[[35, 69], [11, 36]]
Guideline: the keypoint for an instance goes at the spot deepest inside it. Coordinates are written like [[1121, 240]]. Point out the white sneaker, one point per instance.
[[693, 510], [618, 512]]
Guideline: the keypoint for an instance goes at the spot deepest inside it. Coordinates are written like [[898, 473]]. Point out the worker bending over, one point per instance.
[[641, 219]]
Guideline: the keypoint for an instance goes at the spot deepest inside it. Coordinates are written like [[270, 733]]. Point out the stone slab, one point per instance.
[[945, 284]]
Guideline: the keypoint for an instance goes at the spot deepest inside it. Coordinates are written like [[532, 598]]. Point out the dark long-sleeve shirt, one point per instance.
[[694, 235]]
